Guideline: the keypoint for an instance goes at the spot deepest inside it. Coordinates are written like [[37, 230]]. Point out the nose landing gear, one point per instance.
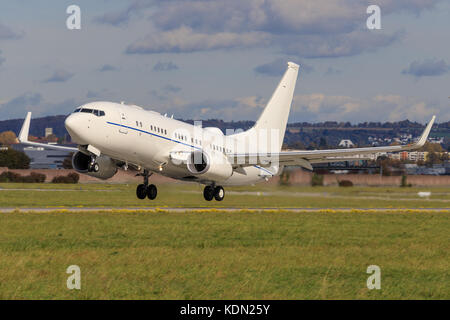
[[93, 165], [211, 192], [145, 190]]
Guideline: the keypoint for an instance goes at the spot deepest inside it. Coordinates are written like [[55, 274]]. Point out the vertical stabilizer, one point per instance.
[[276, 113], [25, 131]]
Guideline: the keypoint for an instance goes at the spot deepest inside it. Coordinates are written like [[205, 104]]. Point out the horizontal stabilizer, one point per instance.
[[25, 131]]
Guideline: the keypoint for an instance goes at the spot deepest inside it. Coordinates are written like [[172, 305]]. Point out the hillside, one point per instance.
[[300, 133], [38, 125]]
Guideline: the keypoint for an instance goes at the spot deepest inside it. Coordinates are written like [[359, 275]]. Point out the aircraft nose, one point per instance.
[[71, 123], [74, 124]]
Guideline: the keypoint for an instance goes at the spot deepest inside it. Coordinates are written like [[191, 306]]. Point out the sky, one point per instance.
[[205, 59]]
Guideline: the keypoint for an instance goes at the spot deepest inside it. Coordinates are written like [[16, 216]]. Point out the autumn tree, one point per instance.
[[8, 138]]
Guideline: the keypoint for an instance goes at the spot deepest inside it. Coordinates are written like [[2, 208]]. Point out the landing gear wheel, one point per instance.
[[219, 193], [93, 167], [152, 192], [141, 191], [208, 193]]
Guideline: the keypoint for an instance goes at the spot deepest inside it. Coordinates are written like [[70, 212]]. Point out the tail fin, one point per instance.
[[23, 135], [276, 113]]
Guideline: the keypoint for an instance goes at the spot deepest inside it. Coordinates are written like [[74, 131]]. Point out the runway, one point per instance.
[[219, 210]]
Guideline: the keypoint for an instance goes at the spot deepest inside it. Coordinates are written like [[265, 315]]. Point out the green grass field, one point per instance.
[[217, 255], [191, 195]]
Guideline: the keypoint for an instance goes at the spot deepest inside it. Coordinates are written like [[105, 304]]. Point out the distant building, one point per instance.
[[414, 156], [396, 156], [435, 170], [346, 143], [439, 140], [48, 132], [417, 156], [42, 158]]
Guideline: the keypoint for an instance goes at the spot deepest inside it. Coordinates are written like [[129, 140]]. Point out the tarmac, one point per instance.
[[219, 210]]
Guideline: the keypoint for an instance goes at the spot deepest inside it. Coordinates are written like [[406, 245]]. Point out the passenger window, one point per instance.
[[102, 113]]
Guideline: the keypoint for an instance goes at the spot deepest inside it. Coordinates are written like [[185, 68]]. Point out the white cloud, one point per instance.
[[60, 76], [320, 107], [427, 68], [304, 28], [315, 107], [17, 107], [185, 39], [165, 66], [7, 33]]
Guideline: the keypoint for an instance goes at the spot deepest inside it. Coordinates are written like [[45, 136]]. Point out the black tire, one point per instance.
[[152, 192], [208, 193], [141, 191], [219, 193]]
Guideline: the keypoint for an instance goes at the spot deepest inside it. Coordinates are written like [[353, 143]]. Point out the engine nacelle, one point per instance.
[[216, 168], [107, 167]]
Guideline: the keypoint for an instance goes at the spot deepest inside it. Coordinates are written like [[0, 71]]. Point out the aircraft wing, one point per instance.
[[23, 137], [305, 158]]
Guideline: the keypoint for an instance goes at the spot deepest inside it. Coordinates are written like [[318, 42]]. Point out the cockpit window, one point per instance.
[[98, 113]]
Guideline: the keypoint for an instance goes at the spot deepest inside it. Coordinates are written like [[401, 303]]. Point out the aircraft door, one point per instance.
[[124, 123]]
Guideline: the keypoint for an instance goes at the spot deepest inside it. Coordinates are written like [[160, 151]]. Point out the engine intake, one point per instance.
[[107, 167]]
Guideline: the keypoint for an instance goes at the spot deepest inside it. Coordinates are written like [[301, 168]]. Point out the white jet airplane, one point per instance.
[[116, 135]]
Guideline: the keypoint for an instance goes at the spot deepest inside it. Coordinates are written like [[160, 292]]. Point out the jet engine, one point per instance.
[[215, 168], [106, 166]]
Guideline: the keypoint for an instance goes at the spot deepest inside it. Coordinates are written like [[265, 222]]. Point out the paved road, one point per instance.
[[225, 210]]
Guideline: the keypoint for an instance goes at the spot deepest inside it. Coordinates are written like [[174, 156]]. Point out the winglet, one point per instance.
[[23, 135], [425, 134]]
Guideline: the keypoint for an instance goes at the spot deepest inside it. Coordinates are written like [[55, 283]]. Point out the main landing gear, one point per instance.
[[145, 190], [213, 192]]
